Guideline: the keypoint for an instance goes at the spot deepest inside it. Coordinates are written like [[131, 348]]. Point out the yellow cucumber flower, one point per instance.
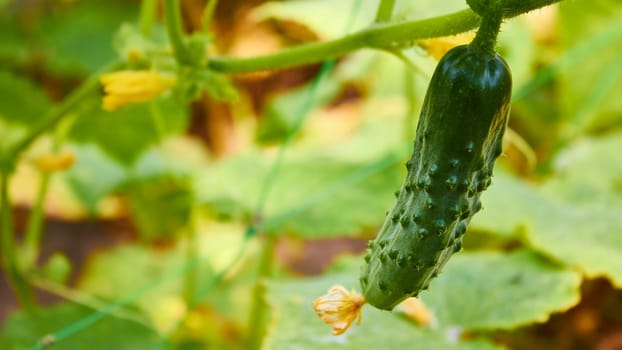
[[339, 308], [126, 87]]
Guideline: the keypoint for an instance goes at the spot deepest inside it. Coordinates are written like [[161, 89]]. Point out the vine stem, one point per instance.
[[208, 13], [79, 297], [378, 36], [172, 16], [258, 317], [56, 114], [34, 227], [7, 164], [191, 254], [385, 10], [9, 262], [147, 16]]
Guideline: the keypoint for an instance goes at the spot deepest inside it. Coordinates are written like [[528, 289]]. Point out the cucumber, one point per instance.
[[459, 136]]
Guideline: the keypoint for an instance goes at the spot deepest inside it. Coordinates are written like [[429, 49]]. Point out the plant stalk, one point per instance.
[[32, 238], [379, 36], [172, 16], [9, 262], [56, 114], [147, 16], [385, 10], [208, 13], [258, 318]]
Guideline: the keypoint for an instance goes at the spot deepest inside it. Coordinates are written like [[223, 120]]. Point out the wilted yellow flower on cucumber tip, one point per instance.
[[339, 308], [126, 87]]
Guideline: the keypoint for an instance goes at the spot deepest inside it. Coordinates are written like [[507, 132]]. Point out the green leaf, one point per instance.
[[323, 189], [585, 232], [96, 175], [592, 33], [146, 277], [177, 156], [295, 325], [14, 46], [586, 237], [126, 133], [511, 204], [22, 101], [24, 330], [575, 216], [478, 291], [160, 206], [141, 51], [588, 171], [93, 176], [142, 277], [107, 274], [22, 104], [77, 38], [314, 196], [281, 114], [346, 199]]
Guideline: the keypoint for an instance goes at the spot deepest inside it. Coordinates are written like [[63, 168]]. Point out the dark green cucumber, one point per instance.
[[459, 136]]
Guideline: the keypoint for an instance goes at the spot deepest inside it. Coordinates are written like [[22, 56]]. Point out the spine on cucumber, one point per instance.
[[459, 136]]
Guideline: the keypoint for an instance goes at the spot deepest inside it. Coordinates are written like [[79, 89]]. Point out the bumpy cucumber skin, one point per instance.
[[459, 136]]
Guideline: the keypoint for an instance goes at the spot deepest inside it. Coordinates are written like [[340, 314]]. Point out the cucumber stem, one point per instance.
[[486, 37]]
